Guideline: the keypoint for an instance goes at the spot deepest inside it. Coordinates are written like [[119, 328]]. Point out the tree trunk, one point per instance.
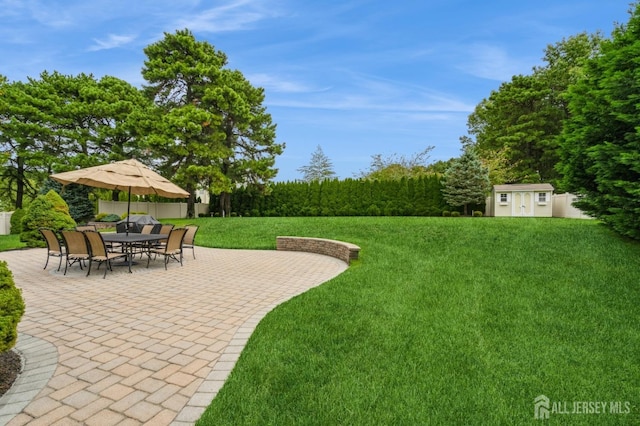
[[191, 205], [225, 204], [20, 183]]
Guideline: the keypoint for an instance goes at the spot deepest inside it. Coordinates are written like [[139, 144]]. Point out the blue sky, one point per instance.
[[355, 77]]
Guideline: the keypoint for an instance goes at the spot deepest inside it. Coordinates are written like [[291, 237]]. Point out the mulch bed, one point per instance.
[[10, 367]]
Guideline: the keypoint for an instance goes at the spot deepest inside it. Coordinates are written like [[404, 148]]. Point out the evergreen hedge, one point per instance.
[[11, 308], [350, 197]]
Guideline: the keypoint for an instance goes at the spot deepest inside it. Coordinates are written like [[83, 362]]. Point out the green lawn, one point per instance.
[[441, 321]]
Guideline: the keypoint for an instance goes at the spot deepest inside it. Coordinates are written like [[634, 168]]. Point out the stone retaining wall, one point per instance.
[[338, 249]]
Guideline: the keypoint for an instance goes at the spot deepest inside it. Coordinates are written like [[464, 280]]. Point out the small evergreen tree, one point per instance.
[[48, 211], [81, 208], [466, 181], [320, 168]]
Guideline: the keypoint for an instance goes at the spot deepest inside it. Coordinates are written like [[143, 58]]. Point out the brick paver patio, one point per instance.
[[152, 347]]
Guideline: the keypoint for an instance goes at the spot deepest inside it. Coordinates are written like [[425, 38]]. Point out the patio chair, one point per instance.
[[76, 246], [142, 247], [172, 249], [189, 238], [165, 228], [99, 252], [121, 227], [54, 246], [146, 229]]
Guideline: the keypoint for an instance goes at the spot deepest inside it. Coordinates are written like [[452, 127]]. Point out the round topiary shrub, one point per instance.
[[48, 211], [11, 308], [477, 213], [446, 213], [455, 214]]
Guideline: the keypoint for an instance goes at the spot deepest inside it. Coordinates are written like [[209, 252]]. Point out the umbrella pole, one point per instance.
[[128, 210]]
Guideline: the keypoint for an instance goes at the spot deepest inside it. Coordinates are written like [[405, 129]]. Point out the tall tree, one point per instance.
[[211, 128], [319, 168], [466, 181], [60, 122], [600, 142], [516, 127]]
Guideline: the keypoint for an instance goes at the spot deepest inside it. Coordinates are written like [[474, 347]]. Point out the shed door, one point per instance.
[[522, 204]]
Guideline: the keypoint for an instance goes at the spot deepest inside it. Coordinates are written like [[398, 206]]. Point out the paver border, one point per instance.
[[39, 362]]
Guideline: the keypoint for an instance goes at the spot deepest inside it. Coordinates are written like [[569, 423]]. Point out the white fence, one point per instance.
[[562, 207], [157, 210], [5, 223]]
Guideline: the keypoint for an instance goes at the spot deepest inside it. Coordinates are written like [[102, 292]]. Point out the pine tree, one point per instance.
[[466, 181], [320, 168]]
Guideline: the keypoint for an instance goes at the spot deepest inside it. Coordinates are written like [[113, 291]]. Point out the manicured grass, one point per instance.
[[10, 242], [442, 321]]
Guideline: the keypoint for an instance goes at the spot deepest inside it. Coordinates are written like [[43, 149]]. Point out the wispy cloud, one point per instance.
[[278, 84], [232, 16], [111, 42], [370, 93], [492, 62]]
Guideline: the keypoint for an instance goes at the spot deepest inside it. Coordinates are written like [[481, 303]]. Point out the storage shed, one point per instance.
[[526, 199]]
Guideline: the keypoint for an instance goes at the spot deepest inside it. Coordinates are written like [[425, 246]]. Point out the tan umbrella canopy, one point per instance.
[[128, 175]]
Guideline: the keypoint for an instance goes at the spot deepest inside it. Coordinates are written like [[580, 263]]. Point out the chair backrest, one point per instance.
[[121, 227], [75, 242], [146, 229], [190, 236], [53, 244], [165, 228], [174, 241], [96, 243], [85, 228]]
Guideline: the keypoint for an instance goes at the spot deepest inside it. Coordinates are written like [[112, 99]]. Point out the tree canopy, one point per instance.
[[466, 181], [396, 167], [517, 126], [195, 121], [319, 168], [210, 126], [600, 141]]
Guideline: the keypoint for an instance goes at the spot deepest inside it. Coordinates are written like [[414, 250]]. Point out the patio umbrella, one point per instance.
[[128, 175]]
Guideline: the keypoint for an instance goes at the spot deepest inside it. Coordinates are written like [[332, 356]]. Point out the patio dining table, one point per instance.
[[128, 241]]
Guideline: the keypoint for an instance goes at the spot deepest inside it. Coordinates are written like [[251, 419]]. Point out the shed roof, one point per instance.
[[523, 187]]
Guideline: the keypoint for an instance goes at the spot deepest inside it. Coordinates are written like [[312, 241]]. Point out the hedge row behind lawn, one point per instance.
[[350, 197]]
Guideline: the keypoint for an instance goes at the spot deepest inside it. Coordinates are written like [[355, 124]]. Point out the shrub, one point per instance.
[[446, 213], [477, 213], [455, 214], [11, 308], [109, 218], [16, 221], [49, 211], [373, 210]]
